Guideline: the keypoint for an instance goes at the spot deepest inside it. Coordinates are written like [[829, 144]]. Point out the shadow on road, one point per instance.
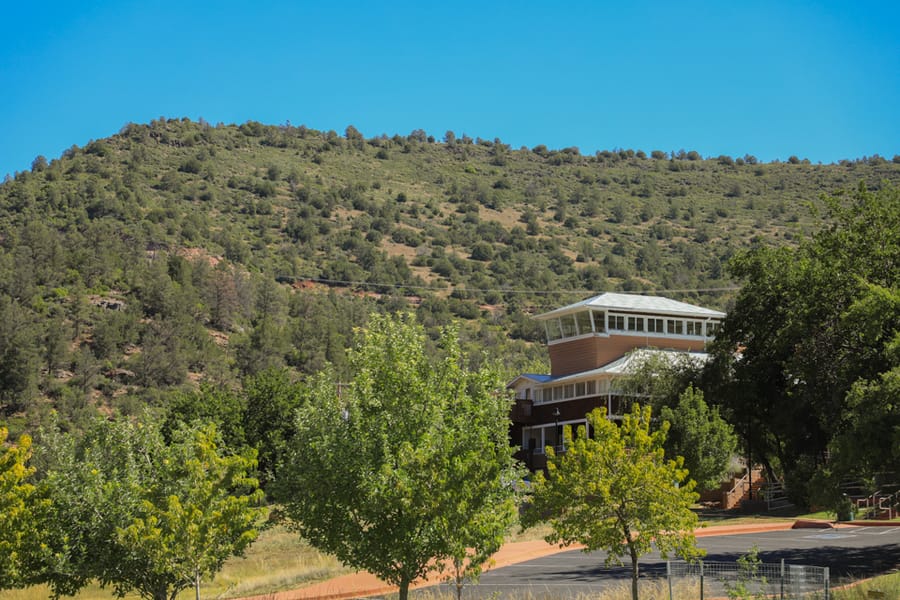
[[844, 563]]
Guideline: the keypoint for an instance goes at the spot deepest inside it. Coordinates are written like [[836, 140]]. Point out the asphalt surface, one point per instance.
[[851, 553]]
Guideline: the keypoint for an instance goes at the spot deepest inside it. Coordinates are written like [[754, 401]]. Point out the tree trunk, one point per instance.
[[403, 592], [634, 573], [459, 577]]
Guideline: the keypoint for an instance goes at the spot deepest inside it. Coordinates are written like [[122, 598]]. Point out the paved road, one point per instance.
[[850, 553]]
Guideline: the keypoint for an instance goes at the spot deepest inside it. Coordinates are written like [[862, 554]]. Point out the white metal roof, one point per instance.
[[621, 366], [635, 303]]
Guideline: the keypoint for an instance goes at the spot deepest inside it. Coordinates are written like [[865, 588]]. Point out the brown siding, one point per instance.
[[575, 356], [585, 354], [568, 411]]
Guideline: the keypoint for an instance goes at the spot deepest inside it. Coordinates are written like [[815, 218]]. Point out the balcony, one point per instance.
[[522, 411]]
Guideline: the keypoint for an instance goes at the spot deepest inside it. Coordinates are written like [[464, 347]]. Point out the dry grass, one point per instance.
[[655, 589], [517, 534], [887, 585], [277, 561]]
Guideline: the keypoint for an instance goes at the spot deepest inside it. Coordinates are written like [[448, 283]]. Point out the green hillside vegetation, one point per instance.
[[179, 252]]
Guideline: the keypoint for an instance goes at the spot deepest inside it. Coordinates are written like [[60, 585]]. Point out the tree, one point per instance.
[[402, 469], [701, 436], [208, 404], [354, 137], [39, 163], [616, 491], [660, 376], [19, 528], [162, 360], [868, 442], [271, 399], [804, 337], [199, 512], [697, 432], [19, 355], [141, 515]]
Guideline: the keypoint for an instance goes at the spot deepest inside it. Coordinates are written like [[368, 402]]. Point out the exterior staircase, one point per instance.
[[741, 490]]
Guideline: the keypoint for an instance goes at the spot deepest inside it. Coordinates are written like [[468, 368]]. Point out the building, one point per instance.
[[592, 344]]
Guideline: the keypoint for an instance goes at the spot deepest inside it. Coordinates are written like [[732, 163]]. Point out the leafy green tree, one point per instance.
[[262, 348], [616, 491], [199, 511], [803, 339], [868, 441], [113, 331], [56, 342], [270, 401], [221, 296], [140, 515], [19, 355], [699, 434], [19, 527], [400, 470], [480, 537], [208, 404], [162, 361], [660, 376]]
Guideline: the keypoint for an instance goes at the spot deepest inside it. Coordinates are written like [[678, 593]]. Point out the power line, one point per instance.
[[348, 283]]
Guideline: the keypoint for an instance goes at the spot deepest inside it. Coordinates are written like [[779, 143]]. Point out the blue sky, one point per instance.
[[819, 80]]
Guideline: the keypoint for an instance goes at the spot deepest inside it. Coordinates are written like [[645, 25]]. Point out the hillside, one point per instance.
[[179, 252]]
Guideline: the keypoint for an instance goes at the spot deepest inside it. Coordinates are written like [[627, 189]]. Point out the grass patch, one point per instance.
[[278, 560], [711, 517], [649, 589], [887, 585]]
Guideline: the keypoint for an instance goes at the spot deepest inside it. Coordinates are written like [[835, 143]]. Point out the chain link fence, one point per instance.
[[746, 579]]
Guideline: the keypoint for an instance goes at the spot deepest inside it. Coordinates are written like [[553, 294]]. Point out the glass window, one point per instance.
[[557, 392], [568, 325], [617, 322], [579, 389], [635, 323], [675, 326], [599, 320], [655, 326], [591, 387], [553, 331], [583, 320], [570, 390], [712, 327]]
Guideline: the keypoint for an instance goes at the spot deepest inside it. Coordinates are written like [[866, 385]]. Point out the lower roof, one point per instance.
[[621, 366]]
